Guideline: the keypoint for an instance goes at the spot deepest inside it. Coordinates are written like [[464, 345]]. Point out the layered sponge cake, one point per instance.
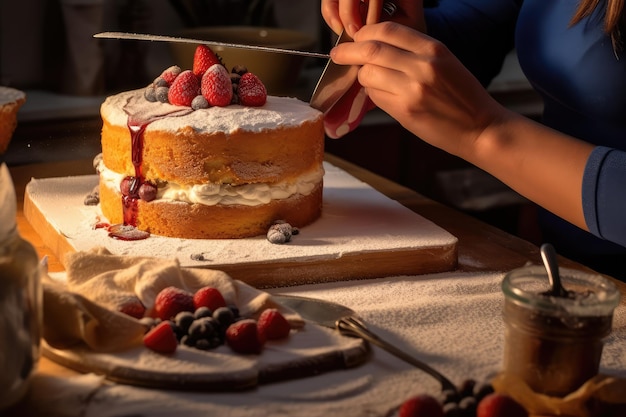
[[210, 171]]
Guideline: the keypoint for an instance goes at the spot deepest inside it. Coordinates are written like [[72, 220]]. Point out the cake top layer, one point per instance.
[[10, 95], [277, 111]]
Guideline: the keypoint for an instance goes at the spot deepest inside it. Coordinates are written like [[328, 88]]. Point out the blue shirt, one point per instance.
[[583, 85]]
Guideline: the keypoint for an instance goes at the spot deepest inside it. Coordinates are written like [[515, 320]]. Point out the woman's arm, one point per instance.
[[421, 84], [541, 164], [604, 199]]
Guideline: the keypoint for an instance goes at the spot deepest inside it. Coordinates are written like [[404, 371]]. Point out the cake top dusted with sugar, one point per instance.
[[206, 98], [277, 111]]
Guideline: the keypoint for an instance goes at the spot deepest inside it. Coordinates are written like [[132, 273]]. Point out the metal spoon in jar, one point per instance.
[[548, 254]]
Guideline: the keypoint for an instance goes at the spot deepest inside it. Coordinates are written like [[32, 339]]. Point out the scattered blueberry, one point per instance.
[[202, 312], [199, 102], [147, 191], [161, 94], [280, 232], [150, 94]]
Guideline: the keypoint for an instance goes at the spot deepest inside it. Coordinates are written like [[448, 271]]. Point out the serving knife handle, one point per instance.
[[352, 326]]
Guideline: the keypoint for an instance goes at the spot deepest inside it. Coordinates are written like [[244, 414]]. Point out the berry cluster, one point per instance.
[[131, 187], [470, 400], [204, 321], [207, 84]]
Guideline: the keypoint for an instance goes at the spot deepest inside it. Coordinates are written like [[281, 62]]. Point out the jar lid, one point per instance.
[[590, 294]]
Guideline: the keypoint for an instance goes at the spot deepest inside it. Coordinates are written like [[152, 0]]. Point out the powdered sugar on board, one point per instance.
[[361, 234]]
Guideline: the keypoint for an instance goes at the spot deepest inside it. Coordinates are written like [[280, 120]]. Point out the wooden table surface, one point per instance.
[[481, 247]]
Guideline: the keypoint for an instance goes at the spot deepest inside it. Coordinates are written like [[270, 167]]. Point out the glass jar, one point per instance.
[[554, 344], [20, 301]]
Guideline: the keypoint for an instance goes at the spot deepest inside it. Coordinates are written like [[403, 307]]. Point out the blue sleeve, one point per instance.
[[604, 194], [478, 32]]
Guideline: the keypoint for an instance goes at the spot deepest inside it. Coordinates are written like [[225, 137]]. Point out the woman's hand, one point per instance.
[[420, 83], [351, 15]]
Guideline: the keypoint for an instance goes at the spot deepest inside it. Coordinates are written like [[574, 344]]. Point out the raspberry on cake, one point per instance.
[[227, 164]]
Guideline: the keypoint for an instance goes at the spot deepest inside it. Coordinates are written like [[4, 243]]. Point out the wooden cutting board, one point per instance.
[[361, 234], [309, 351]]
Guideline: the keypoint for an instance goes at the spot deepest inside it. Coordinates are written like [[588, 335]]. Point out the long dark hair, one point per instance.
[[614, 19]]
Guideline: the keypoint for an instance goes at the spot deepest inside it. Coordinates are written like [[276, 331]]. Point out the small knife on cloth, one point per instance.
[[162, 38], [346, 321]]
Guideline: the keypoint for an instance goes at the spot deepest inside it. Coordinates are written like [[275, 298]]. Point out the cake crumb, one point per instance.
[[93, 198], [199, 257]]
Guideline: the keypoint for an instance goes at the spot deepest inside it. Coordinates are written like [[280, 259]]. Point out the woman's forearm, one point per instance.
[[539, 163]]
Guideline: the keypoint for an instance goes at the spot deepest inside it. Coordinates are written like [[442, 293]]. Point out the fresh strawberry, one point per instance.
[[183, 89], [243, 337], [273, 325], [216, 86], [421, 405], [133, 307], [203, 59], [169, 74], [251, 90], [161, 338], [499, 405], [208, 297], [172, 300]]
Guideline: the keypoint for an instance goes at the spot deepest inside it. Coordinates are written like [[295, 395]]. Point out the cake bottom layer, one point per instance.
[[199, 221]]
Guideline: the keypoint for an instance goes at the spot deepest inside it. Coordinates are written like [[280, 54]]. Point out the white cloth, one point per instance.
[[85, 308], [451, 320]]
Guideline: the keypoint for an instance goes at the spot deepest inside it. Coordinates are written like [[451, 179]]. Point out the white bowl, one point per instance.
[[279, 72]]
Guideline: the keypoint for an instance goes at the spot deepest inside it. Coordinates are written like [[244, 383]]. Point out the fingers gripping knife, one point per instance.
[[339, 95]]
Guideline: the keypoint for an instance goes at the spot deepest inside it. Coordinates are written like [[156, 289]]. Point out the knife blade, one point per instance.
[[334, 82], [163, 38], [346, 321], [322, 312], [337, 79]]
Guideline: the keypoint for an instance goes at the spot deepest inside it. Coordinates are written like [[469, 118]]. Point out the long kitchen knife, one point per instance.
[[163, 38]]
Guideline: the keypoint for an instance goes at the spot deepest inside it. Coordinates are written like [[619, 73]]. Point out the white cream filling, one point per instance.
[[225, 194]]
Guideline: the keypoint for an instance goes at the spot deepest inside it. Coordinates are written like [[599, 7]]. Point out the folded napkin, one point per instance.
[[602, 395], [85, 308]]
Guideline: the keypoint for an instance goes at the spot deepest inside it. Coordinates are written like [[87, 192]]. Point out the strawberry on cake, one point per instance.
[[205, 153]]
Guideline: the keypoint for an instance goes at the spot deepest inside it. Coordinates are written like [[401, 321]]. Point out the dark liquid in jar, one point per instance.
[[553, 354]]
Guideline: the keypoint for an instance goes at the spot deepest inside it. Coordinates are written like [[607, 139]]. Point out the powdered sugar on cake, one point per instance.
[[277, 111]]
